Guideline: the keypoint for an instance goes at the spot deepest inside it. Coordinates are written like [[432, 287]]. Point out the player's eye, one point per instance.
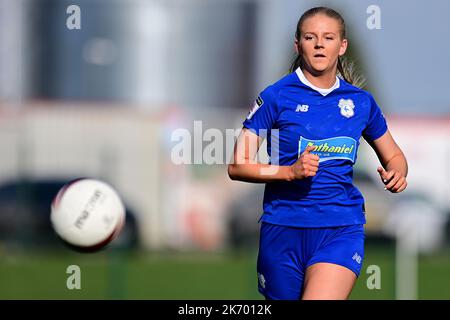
[[308, 37], [329, 38]]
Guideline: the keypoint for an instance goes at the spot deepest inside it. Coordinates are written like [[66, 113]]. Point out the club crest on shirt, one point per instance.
[[347, 106]]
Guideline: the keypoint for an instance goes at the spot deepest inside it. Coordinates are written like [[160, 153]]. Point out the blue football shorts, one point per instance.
[[286, 252]]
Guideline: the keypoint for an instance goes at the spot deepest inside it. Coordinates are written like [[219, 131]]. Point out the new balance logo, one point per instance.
[[262, 280], [302, 108], [357, 258]]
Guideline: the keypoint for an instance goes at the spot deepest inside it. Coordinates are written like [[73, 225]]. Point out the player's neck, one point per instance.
[[323, 80]]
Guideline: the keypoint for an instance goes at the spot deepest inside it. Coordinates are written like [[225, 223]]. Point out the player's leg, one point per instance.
[[280, 272], [336, 263], [328, 281]]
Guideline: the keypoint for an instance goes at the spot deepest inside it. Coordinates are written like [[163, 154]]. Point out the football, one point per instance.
[[87, 214]]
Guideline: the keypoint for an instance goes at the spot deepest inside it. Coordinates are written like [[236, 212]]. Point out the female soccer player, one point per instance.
[[312, 230]]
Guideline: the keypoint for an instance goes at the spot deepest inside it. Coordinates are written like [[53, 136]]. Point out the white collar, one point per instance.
[[322, 91]]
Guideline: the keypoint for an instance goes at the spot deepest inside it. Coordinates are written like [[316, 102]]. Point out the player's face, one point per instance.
[[320, 43]]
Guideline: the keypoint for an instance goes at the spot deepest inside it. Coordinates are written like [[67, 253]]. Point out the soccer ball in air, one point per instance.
[[87, 214]]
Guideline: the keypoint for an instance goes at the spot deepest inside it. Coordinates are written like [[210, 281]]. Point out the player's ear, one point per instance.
[[343, 48], [297, 46]]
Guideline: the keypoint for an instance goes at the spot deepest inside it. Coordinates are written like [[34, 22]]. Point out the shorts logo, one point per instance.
[[357, 258], [331, 149], [347, 106], [262, 280], [258, 103]]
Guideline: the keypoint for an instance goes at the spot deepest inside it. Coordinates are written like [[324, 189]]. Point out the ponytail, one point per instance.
[[297, 63], [348, 71]]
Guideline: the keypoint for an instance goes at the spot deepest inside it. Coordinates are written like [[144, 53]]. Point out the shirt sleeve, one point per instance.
[[376, 126], [264, 113]]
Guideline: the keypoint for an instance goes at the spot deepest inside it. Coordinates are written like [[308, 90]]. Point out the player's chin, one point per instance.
[[320, 66]]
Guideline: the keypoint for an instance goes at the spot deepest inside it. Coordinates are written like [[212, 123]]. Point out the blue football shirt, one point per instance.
[[292, 114]]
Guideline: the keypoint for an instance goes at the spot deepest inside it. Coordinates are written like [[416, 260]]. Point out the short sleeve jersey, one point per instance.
[[293, 114]]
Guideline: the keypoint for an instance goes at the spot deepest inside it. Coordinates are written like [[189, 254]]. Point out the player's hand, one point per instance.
[[306, 165], [393, 180]]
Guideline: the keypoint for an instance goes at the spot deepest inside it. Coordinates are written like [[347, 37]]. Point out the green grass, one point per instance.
[[145, 275]]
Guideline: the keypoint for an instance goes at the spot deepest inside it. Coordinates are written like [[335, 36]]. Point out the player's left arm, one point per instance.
[[394, 165]]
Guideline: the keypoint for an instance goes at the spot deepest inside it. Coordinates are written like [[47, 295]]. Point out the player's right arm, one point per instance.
[[244, 167]]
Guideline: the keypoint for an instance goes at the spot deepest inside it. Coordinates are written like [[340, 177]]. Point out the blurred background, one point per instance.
[[101, 96]]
